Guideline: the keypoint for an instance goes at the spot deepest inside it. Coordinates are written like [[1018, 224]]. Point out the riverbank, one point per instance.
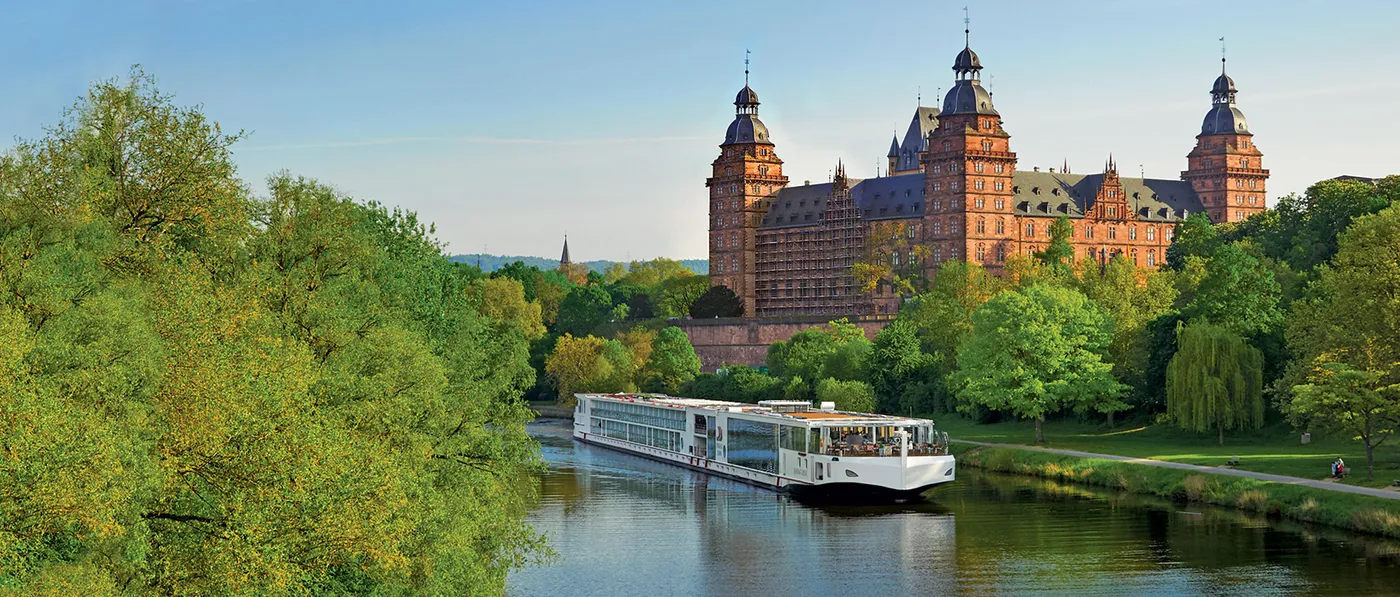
[[550, 410], [1363, 513], [1275, 450]]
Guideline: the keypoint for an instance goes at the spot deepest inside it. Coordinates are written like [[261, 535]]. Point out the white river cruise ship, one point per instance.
[[784, 445]]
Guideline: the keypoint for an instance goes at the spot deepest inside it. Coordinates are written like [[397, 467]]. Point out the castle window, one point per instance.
[[1001, 227], [937, 168], [947, 146], [1001, 204], [999, 168], [1239, 199], [733, 240], [728, 152], [1112, 232], [952, 226], [953, 185], [733, 188], [953, 253], [1112, 211], [1088, 231], [937, 227], [977, 185], [953, 203], [1152, 258], [728, 171], [937, 250], [977, 167], [1001, 253], [937, 204], [1251, 184], [981, 226], [1244, 162], [1151, 233], [733, 204], [1030, 229], [1251, 200], [981, 252], [1169, 233], [979, 203], [1000, 186], [733, 220], [937, 187], [987, 145], [910, 231], [1132, 233], [733, 263]]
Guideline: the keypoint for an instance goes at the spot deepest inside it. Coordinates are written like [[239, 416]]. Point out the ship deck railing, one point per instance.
[[884, 450]]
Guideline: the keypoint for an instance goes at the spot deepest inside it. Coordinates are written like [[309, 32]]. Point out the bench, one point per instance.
[[1233, 461], [1396, 483]]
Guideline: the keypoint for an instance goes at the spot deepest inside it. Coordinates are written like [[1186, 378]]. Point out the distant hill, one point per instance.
[[492, 263]]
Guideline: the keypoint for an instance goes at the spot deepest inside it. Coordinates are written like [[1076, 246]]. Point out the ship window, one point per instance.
[[753, 444]]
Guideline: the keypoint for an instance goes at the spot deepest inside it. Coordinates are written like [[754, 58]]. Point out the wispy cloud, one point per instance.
[[465, 140]]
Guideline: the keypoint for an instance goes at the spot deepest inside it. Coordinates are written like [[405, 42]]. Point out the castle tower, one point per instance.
[[1225, 168], [746, 172], [969, 212]]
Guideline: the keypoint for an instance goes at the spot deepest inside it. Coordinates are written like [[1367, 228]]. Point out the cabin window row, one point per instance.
[[637, 413], [637, 434]]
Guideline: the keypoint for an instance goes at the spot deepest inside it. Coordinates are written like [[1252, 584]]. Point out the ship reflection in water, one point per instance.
[[626, 525]]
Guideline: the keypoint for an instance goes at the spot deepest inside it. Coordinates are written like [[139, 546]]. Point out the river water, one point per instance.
[[625, 525]]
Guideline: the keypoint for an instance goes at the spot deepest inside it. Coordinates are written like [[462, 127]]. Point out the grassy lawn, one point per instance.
[[1275, 450]]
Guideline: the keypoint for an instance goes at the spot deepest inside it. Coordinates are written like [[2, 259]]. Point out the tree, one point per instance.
[[1237, 293], [892, 259], [652, 274], [718, 301], [1346, 337], [673, 362], [1194, 236], [208, 392], [1037, 351], [852, 396], [942, 317], [583, 309], [1215, 381], [1133, 298], [896, 362], [839, 349], [503, 299], [679, 293], [1059, 254], [589, 364], [613, 273], [640, 306]]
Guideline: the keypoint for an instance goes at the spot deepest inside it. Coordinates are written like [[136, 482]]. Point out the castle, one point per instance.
[[952, 193]]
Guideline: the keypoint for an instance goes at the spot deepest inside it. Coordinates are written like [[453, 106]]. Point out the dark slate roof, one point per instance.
[[968, 97], [883, 198], [746, 128], [916, 137], [894, 148], [1056, 193], [1224, 118], [746, 96], [967, 60], [1223, 84], [890, 197], [798, 206]]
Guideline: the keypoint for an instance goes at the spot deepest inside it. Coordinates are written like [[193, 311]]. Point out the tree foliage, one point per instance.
[[1036, 351], [855, 396], [839, 349], [1215, 381], [718, 301], [211, 393], [583, 309], [673, 362]]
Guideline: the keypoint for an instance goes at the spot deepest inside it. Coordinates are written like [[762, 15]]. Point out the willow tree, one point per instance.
[[1215, 381]]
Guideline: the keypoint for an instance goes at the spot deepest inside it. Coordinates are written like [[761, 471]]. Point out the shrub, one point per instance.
[[1253, 499], [1195, 487]]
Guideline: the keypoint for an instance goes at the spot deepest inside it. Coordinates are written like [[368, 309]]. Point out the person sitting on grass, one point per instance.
[[1339, 468]]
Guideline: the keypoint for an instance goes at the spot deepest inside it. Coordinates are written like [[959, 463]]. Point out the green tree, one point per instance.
[[1133, 298], [897, 361], [1346, 336], [839, 349], [1036, 351], [852, 396], [589, 364], [503, 299], [1237, 293], [652, 274], [1194, 236], [1058, 256], [718, 301], [673, 362], [1215, 381], [942, 317], [583, 309], [677, 294]]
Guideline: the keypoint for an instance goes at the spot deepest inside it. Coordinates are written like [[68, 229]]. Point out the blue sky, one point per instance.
[[510, 123]]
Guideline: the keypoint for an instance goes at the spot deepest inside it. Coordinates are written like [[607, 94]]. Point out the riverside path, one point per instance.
[[1327, 485]]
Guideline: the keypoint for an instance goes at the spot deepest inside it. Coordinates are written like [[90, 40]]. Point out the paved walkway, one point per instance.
[[1380, 493]]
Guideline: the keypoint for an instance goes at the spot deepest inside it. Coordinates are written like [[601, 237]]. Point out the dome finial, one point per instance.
[[746, 67], [967, 29], [1222, 55]]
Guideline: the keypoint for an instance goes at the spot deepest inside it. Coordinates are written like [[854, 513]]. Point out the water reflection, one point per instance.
[[630, 526]]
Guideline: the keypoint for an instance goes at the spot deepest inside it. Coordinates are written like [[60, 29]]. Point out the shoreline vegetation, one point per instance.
[[1376, 516]]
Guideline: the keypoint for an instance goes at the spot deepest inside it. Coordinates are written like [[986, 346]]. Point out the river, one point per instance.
[[625, 525]]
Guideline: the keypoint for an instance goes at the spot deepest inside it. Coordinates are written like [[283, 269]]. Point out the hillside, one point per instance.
[[491, 263]]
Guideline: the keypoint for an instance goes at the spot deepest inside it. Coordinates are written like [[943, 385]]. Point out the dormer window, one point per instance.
[[1035, 190]]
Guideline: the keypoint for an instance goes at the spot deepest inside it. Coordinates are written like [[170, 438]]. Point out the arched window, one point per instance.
[[1151, 233], [1001, 227], [1030, 229], [1151, 258], [1132, 233], [981, 227], [977, 167]]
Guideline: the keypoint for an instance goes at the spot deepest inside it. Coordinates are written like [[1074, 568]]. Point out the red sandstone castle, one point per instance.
[[954, 187]]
